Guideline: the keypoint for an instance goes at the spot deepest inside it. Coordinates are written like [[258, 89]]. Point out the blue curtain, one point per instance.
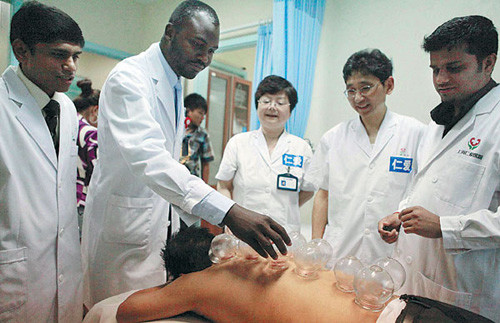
[[262, 65], [296, 30]]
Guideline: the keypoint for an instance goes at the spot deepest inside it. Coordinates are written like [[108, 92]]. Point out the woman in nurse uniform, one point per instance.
[[263, 169], [363, 166]]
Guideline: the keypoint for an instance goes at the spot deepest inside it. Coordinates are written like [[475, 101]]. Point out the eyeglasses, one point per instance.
[[364, 91], [265, 103]]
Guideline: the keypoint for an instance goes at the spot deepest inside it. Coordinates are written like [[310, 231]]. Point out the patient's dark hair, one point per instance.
[[187, 252]]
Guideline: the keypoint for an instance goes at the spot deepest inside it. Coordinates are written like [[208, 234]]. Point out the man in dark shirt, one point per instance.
[[450, 246]]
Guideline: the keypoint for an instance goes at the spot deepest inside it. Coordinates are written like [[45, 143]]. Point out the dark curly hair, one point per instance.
[[477, 32], [187, 252], [368, 62]]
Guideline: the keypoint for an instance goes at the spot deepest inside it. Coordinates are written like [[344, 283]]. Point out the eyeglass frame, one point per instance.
[[368, 92], [268, 104]]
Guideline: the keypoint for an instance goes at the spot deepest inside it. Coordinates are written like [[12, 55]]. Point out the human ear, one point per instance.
[[389, 85], [169, 31], [489, 63], [21, 50]]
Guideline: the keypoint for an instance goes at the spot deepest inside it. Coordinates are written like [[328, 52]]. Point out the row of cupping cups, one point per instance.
[[373, 284], [310, 257]]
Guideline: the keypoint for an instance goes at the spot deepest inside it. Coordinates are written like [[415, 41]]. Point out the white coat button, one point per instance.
[[367, 231], [409, 259], [267, 190], [61, 277], [59, 185], [370, 199], [61, 233], [434, 179], [371, 166]]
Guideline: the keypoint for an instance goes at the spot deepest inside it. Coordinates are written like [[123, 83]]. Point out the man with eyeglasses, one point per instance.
[[450, 242], [363, 166]]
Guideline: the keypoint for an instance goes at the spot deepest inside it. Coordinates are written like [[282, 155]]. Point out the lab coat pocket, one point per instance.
[[13, 285], [462, 189], [430, 289], [128, 220]]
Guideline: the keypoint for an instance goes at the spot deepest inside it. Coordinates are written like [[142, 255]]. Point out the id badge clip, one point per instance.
[[287, 182]]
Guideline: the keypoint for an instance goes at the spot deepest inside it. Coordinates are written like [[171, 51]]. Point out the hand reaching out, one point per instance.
[[257, 230]]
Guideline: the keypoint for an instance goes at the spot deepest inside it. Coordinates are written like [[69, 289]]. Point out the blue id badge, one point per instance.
[[400, 164], [293, 160], [287, 182]]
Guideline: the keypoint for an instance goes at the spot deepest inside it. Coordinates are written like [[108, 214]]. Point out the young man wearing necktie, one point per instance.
[[40, 267]]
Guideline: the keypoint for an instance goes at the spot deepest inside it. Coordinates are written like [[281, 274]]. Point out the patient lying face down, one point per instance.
[[237, 291]]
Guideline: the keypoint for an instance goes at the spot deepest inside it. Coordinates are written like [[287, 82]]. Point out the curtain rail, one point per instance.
[[247, 26]]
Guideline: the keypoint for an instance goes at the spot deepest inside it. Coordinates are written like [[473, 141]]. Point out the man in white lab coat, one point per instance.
[[40, 267], [363, 166], [138, 174], [450, 242]]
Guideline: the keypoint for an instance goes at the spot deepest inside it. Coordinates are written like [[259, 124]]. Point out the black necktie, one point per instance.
[[51, 114]]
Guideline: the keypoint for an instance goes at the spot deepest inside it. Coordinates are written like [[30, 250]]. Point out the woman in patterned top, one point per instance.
[[87, 107]]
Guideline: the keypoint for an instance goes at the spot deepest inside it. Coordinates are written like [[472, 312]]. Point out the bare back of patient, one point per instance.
[[247, 291]]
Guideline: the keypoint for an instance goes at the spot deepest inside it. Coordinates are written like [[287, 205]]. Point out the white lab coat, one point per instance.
[[463, 188], [361, 188], [40, 268], [126, 216], [254, 173]]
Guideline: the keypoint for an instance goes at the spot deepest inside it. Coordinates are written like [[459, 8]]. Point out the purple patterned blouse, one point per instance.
[[87, 151]]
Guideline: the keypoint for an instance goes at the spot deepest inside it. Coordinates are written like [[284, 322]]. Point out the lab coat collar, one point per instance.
[[169, 72], [484, 106], [281, 148], [30, 114], [38, 94], [385, 133], [165, 79]]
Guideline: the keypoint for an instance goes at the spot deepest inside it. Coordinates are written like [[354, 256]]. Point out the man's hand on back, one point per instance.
[[259, 231]]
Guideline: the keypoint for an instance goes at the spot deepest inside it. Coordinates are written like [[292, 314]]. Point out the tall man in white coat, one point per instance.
[[40, 267], [138, 174], [450, 242]]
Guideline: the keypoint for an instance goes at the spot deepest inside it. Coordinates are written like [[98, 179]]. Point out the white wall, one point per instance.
[[118, 24], [232, 13]]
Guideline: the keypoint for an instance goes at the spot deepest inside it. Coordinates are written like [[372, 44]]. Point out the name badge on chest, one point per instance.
[[287, 182], [400, 164]]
